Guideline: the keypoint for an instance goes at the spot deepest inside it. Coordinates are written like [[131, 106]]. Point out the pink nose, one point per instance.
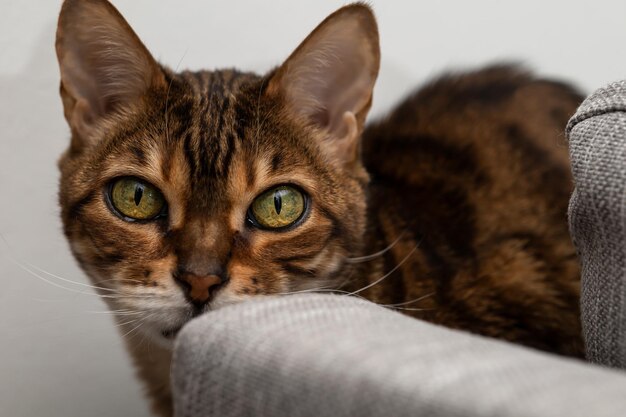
[[199, 288]]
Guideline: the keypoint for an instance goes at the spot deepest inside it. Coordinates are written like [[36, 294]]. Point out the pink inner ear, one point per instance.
[[103, 63], [334, 70]]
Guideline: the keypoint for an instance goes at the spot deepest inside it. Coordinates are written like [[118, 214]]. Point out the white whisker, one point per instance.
[[135, 328], [325, 289], [409, 308], [116, 312], [69, 281], [128, 322], [122, 280], [167, 96], [117, 294], [411, 301], [375, 255], [388, 273]]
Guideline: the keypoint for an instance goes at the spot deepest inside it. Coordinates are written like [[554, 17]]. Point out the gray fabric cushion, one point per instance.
[[333, 356], [597, 213]]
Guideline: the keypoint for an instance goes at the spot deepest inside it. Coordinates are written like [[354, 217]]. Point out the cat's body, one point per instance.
[[476, 174], [452, 209]]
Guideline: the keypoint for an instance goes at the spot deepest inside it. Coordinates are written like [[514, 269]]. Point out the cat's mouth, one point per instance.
[[172, 332]]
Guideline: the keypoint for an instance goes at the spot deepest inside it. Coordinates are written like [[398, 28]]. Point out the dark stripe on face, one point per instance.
[[209, 130], [105, 259], [203, 139], [304, 256], [216, 86], [250, 175], [75, 209], [139, 153], [233, 79], [105, 256], [276, 161], [229, 145], [296, 270], [243, 117], [336, 228], [182, 111], [190, 153], [219, 168], [166, 164]]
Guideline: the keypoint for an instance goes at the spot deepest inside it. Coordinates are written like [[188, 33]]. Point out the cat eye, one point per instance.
[[277, 208], [135, 199]]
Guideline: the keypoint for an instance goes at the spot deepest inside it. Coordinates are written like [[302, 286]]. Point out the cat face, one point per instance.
[[186, 192]]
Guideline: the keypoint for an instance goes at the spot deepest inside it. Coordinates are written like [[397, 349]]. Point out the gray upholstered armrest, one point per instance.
[[332, 356], [597, 136]]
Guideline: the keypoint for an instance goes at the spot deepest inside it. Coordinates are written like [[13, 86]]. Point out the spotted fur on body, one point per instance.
[[451, 209]]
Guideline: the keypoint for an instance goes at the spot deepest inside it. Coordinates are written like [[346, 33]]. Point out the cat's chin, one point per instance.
[[164, 333], [166, 337], [163, 338]]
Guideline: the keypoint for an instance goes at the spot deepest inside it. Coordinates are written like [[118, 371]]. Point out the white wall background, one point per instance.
[[58, 355]]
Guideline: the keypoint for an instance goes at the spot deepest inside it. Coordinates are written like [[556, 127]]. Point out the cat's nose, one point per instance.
[[199, 288]]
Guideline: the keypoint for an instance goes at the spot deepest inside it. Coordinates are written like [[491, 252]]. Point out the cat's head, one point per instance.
[[183, 192]]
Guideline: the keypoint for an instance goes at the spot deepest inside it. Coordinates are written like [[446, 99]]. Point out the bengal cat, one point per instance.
[[184, 192]]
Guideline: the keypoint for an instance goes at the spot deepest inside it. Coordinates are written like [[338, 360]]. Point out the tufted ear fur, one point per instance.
[[328, 80], [104, 66]]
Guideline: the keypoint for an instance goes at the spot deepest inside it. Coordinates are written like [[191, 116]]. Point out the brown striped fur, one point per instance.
[[462, 192]]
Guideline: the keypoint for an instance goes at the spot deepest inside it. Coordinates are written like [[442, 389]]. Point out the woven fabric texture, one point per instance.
[[597, 215], [336, 356]]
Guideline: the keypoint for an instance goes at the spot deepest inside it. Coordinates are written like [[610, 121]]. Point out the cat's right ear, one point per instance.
[[104, 66], [328, 80]]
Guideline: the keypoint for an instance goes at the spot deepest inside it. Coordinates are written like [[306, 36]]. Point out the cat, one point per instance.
[[184, 192]]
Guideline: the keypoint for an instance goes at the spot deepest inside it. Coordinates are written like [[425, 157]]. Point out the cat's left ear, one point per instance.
[[104, 66], [328, 80]]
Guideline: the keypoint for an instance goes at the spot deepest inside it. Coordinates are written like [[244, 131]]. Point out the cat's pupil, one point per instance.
[[138, 194], [278, 203]]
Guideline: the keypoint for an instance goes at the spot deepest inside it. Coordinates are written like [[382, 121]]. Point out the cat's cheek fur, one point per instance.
[[154, 308], [143, 294]]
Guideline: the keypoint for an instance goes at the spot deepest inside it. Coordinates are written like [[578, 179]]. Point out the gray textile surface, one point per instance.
[[597, 213], [332, 356]]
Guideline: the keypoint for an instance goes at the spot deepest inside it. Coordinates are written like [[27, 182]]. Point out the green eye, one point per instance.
[[277, 208], [136, 199]]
